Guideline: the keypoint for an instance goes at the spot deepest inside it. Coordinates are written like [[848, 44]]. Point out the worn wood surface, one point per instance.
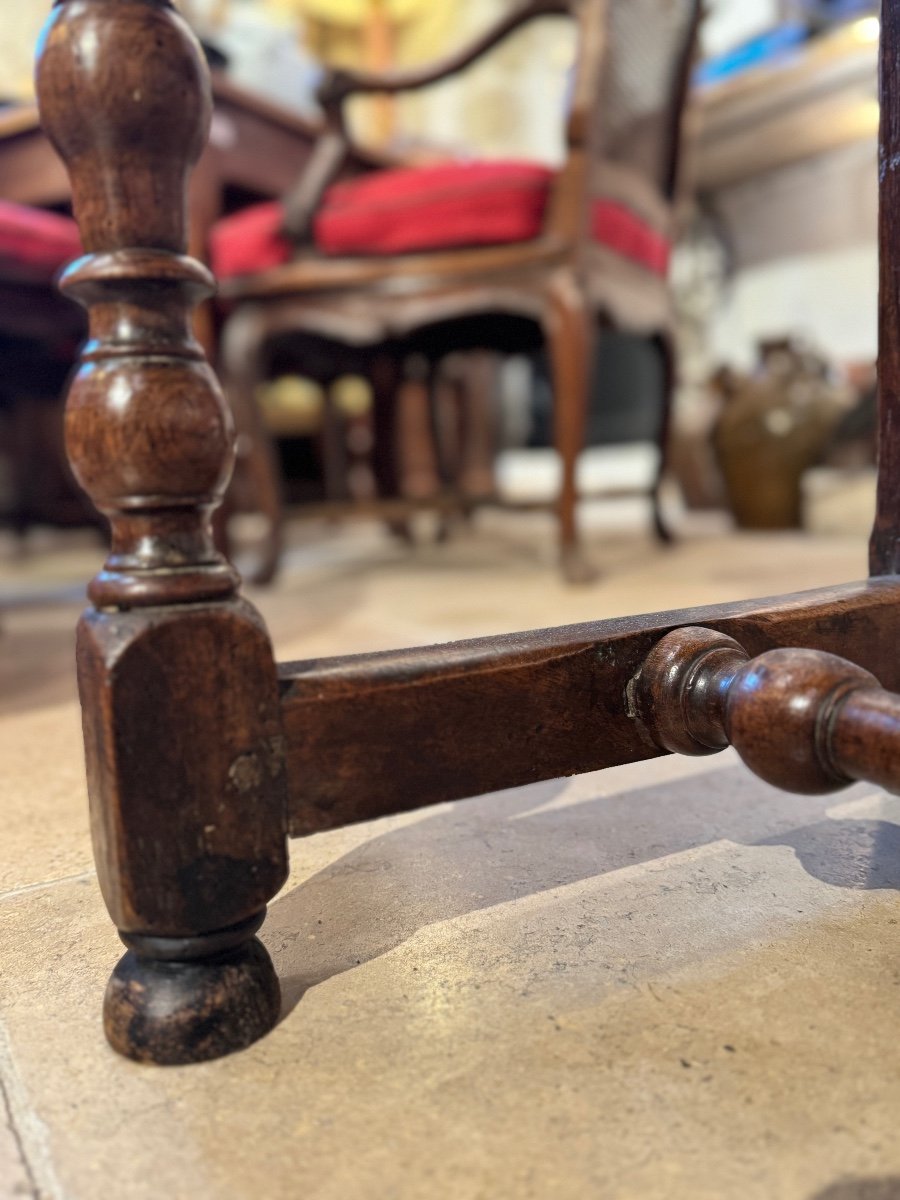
[[884, 548], [185, 765], [801, 719], [427, 271], [176, 674], [380, 733], [188, 737]]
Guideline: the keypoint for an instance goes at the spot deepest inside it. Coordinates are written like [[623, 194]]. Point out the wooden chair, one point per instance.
[[390, 255], [202, 754]]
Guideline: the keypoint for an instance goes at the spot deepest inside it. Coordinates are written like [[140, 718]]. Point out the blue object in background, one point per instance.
[[762, 49]]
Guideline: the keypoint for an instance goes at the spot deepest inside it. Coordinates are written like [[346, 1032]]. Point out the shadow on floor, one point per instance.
[[887, 1188], [495, 849], [37, 628]]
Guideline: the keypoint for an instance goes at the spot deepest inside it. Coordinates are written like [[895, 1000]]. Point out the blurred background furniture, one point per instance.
[[180, 692], [781, 143], [818, 98], [39, 334], [255, 150], [782, 243], [465, 255], [785, 163], [254, 153], [358, 33]]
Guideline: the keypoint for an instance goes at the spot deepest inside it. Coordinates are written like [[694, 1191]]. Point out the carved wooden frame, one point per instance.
[[202, 755]]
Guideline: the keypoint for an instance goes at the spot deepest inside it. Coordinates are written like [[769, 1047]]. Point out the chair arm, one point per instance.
[[302, 201], [338, 84]]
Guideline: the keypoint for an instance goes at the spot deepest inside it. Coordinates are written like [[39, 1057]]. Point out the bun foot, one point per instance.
[[190, 1010]]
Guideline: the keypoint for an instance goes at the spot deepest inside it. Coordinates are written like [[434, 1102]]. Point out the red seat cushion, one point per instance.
[[38, 242], [426, 209], [249, 241], [434, 208], [396, 212], [623, 231]]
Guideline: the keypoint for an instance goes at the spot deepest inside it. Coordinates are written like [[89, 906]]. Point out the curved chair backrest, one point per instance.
[[631, 83], [647, 69]]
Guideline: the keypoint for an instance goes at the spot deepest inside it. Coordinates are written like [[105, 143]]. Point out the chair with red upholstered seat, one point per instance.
[[393, 253], [399, 211]]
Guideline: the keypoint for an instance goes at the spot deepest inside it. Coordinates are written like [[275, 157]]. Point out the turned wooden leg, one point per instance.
[[256, 485], [569, 334], [333, 448], [185, 768], [666, 344], [355, 402], [478, 421], [385, 376], [182, 720], [446, 396], [419, 473]]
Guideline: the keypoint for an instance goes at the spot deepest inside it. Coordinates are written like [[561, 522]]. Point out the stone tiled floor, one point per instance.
[[665, 980]]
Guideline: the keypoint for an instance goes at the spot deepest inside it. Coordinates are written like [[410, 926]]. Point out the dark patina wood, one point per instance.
[[884, 547], [181, 717], [379, 733], [191, 738], [801, 719]]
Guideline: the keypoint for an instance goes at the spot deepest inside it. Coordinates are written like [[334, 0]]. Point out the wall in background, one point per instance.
[[20, 24], [512, 104], [830, 300], [730, 22], [509, 104]]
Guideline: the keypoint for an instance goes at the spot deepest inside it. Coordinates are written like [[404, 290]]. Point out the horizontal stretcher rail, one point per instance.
[[373, 734]]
